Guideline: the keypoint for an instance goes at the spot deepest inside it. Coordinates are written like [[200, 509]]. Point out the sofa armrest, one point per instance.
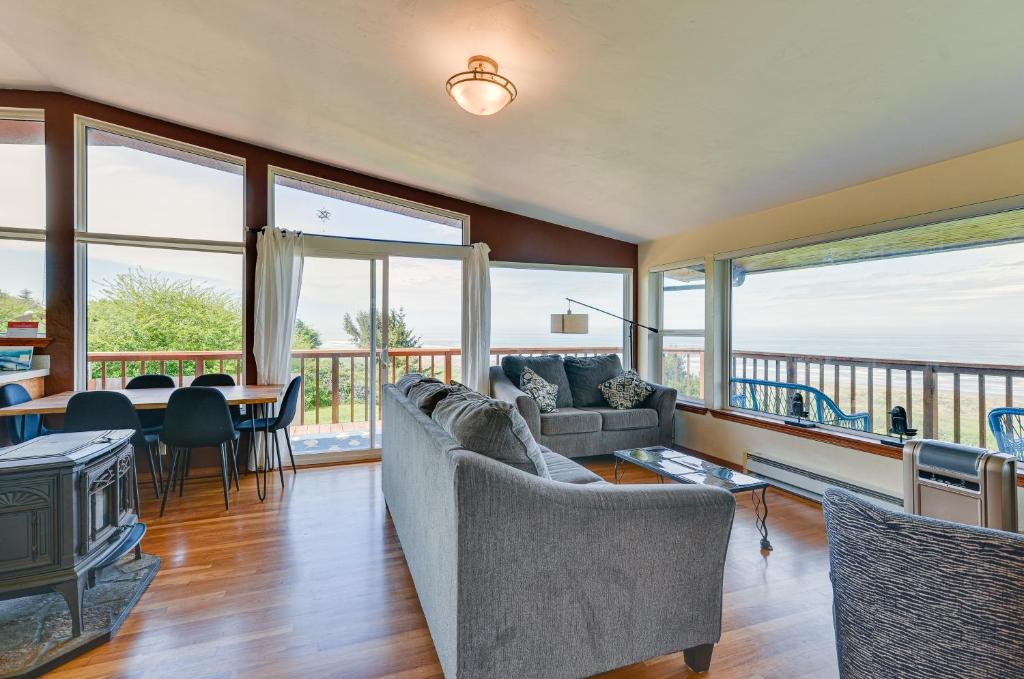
[[503, 390], [595, 576], [664, 401]]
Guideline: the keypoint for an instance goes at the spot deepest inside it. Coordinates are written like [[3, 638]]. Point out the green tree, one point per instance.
[[399, 332], [137, 311], [305, 336], [22, 304]]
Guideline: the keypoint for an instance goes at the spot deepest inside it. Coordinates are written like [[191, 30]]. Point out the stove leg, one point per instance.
[[73, 591]]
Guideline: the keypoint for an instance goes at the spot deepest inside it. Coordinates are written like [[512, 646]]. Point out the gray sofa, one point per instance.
[[522, 576], [585, 425]]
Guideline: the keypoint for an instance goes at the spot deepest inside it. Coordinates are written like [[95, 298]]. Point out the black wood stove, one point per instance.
[[68, 508]]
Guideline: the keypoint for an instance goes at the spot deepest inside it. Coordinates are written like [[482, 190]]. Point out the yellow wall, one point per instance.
[[980, 177]]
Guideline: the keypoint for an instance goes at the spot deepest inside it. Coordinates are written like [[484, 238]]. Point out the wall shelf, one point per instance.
[[36, 342]]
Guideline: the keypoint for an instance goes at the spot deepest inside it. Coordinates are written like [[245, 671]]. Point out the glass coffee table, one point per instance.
[[683, 468]]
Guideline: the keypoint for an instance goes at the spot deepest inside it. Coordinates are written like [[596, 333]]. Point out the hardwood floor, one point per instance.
[[312, 583]]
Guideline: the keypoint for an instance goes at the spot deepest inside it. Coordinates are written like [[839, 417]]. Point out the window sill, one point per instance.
[[825, 436], [692, 407]]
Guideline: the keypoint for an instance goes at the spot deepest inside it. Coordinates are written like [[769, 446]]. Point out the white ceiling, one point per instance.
[[635, 119]]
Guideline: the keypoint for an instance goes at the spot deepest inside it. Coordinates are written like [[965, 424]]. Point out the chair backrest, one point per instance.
[[20, 428], [100, 410], [151, 418], [197, 417], [213, 380], [1007, 425], [767, 396], [150, 382], [921, 597], [289, 404]]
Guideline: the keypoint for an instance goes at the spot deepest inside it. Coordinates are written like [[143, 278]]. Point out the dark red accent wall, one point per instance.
[[512, 237]]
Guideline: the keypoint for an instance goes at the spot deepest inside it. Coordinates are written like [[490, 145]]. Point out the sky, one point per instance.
[[961, 305]]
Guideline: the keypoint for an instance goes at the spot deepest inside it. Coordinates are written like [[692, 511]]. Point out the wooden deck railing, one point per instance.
[[945, 400], [336, 381]]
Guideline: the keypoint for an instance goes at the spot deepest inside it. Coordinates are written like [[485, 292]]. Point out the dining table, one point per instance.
[[262, 397]]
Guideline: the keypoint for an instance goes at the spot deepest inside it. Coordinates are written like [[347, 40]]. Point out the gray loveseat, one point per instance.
[[522, 576], [584, 423]]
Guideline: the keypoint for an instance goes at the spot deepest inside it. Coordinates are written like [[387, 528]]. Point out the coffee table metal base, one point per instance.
[[683, 468]]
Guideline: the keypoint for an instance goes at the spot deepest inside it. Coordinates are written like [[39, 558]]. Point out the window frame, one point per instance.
[[656, 300], [722, 263], [84, 237], [627, 291], [9, 232], [274, 171]]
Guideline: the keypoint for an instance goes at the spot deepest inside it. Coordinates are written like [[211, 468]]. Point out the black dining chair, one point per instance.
[[219, 380], [197, 417], [20, 428], [152, 419], [283, 420], [102, 410]]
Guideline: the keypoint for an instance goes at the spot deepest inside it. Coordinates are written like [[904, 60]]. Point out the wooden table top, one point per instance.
[[148, 399]]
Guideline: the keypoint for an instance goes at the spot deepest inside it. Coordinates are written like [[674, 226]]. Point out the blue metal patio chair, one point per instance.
[[766, 396], [1007, 425]]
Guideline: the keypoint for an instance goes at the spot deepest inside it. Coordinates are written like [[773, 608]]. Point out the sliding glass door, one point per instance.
[[345, 351], [336, 354]]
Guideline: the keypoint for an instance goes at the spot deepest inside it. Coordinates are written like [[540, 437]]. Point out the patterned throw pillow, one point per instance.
[[542, 391], [625, 390]]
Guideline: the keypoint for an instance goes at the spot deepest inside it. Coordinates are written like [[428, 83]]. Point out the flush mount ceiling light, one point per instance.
[[480, 90]]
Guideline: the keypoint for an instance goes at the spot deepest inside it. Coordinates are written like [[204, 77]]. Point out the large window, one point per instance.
[[315, 206], [523, 297], [160, 258], [678, 349], [22, 217], [924, 318]]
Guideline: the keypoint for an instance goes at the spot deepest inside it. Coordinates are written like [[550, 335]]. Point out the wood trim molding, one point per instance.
[[691, 408], [36, 342], [830, 437]]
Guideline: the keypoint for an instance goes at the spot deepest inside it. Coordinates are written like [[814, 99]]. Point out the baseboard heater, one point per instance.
[[809, 484]]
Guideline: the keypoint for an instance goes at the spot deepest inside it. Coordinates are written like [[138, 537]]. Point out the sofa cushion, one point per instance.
[[549, 367], [586, 373], [613, 419], [406, 382], [540, 390], [492, 428], [626, 390], [426, 394], [569, 421], [565, 470]]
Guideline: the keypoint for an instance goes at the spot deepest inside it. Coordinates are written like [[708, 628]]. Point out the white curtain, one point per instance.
[[476, 322], [278, 282]]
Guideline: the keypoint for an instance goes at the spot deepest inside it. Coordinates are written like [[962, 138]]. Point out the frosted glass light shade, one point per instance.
[[570, 324], [480, 90]]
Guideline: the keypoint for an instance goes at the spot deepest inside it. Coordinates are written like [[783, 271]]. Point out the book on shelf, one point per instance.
[[15, 358], [22, 328]]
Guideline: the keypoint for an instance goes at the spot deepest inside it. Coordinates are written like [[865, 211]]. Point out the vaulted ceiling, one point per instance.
[[635, 119]]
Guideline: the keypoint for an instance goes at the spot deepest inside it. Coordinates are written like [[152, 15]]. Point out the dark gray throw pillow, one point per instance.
[[426, 394], [586, 374], [493, 428], [548, 367]]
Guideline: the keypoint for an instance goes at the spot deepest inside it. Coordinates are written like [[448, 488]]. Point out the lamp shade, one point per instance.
[[570, 324], [480, 90]]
